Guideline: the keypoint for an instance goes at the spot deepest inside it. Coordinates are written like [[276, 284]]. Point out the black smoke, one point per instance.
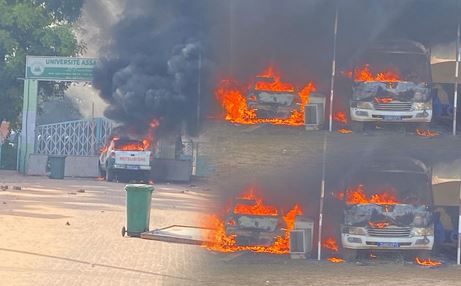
[[150, 70]]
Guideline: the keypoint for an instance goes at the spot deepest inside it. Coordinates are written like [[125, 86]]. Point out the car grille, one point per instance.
[[390, 232], [393, 106]]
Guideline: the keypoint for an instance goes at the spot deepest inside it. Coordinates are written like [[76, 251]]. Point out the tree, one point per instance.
[[33, 27]]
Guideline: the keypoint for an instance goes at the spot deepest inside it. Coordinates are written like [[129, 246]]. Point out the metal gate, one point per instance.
[[73, 138]]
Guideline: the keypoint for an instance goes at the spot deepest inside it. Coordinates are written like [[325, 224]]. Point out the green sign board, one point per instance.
[[60, 68]]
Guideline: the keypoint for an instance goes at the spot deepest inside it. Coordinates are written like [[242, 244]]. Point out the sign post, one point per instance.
[[46, 69]]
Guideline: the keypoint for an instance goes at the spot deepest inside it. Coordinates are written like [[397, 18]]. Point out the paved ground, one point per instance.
[[37, 247], [52, 234]]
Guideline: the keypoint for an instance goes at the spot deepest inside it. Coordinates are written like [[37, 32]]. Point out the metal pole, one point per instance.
[[199, 87], [458, 259], [333, 71], [455, 101], [322, 196]]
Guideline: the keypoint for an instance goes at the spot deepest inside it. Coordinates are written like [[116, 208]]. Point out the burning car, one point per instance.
[[392, 83], [267, 100], [387, 206], [272, 98], [123, 155], [250, 228], [251, 225]]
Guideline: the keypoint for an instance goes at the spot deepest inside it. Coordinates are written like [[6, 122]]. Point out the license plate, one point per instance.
[[392, 118], [131, 167], [389, 244]]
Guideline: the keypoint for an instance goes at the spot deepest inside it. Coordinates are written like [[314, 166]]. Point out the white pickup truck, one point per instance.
[[123, 155]]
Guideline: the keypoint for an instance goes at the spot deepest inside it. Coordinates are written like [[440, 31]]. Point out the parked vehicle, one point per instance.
[[392, 83], [125, 155], [253, 229], [388, 206]]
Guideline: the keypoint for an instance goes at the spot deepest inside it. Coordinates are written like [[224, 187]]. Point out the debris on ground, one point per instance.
[[67, 223], [81, 191], [17, 188]]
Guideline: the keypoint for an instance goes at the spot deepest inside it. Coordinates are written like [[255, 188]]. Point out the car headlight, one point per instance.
[[422, 105], [354, 230], [422, 231], [364, 105]]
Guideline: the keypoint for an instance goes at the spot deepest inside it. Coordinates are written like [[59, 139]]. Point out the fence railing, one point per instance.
[[77, 138]]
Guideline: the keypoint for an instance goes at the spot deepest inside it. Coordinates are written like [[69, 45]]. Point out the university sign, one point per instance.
[[48, 68], [60, 68]]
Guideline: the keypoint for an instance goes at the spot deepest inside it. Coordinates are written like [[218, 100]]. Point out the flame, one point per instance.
[[357, 196], [146, 141], [426, 133], [383, 99], [380, 224], [344, 131], [330, 243], [341, 117], [336, 260], [364, 73], [257, 209], [275, 83], [428, 262], [233, 99], [338, 196], [222, 242]]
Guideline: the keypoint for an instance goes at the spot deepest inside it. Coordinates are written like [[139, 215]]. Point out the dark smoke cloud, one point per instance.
[[151, 67]]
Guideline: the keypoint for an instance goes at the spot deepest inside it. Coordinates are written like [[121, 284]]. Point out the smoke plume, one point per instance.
[[151, 68]]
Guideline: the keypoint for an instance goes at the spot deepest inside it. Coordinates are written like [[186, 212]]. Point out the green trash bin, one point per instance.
[[138, 198], [56, 165]]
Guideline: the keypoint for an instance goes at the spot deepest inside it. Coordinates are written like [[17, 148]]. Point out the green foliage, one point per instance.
[[32, 27]]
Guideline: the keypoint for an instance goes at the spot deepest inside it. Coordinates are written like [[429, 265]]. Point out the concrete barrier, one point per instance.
[[171, 170], [81, 166], [37, 165]]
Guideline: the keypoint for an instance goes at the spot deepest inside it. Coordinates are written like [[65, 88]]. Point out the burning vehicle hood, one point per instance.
[[400, 215], [402, 91]]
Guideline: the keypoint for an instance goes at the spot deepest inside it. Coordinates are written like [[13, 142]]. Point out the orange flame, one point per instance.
[[257, 209], [232, 98], [426, 133], [364, 73], [357, 195], [146, 141], [275, 84], [341, 117], [330, 243], [383, 99], [221, 242], [428, 262], [381, 224], [336, 260], [344, 131]]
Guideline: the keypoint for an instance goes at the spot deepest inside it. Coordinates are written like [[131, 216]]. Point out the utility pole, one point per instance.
[[333, 70], [455, 101]]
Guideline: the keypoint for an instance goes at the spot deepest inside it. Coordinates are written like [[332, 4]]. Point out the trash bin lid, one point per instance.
[[139, 187]]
